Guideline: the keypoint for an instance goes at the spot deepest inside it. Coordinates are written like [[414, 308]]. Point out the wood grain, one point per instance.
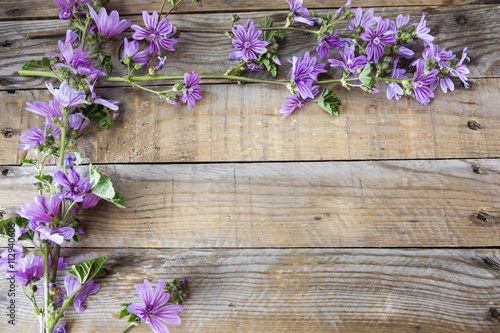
[[234, 123], [207, 53], [23, 9], [356, 204], [297, 290]]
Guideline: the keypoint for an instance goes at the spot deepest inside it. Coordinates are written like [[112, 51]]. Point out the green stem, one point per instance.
[[46, 251], [128, 327], [85, 34], [60, 314], [394, 80], [171, 9], [54, 263], [337, 80], [161, 12], [144, 88]]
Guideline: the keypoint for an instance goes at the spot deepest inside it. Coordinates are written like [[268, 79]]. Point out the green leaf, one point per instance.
[[45, 179], [6, 228], [29, 161], [329, 102], [102, 186], [87, 270], [364, 76], [133, 318], [269, 35], [124, 312], [44, 63]]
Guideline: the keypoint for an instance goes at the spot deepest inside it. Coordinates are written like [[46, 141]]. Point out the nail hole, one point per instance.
[[7, 43], [5, 172], [483, 216], [461, 20], [4, 82], [11, 92], [15, 12], [476, 168], [473, 125], [8, 134], [494, 314]]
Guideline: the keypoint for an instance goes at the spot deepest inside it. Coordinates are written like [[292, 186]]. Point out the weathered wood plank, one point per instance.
[[320, 290], [207, 53], [22, 9], [324, 204], [234, 123]]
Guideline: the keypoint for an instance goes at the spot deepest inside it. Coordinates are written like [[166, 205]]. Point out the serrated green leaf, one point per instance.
[[46, 179], [364, 76], [269, 35], [102, 186], [87, 270], [6, 225], [29, 161], [123, 313], [44, 63], [329, 102]]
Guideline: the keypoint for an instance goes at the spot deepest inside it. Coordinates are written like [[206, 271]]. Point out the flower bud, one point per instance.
[[137, 67], [127, 60], [54, 290], [179, 86]]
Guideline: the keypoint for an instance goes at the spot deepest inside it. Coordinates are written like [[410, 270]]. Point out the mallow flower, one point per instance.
[[108, 25], [157, 35], [247, 44], [154, 309], [191, 90]]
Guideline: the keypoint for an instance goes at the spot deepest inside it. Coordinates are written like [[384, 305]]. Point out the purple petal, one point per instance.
[[138, 310], [169, 314]]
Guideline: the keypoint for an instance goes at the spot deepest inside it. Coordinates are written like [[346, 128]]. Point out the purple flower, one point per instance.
[[253, 67], [155, 308], [33, 137], [393, 89], [161, 64], [461, 71], [405, 52], [364, 21], [327, 43], [302, 12], [67, 96], [8, 258], [60, 328], [110, 104], [108, 25], [130, 49], [445, 84], [41, 210], [71, 284], [29, 270], [304, 73], [191, 90], [401, 21], [48, 111], [350, 63], [75, 61], [247, 44], [377, 40], [423, 94], [53, 235], [431, 53], [422, 31], [72, 189], [78, 121], [293, 102], [65, 6], [90, 200], [156, 35]]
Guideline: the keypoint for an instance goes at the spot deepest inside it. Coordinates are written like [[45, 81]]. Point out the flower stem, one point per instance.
[[84, 34], [159, 14], [54, 263], [46, 251], [129, 327], [60, 314], [171, 9]]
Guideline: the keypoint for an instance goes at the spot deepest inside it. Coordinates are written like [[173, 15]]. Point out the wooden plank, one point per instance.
[[207, 53], [22, 9], [234, 123], [301, 290], [324, 204]]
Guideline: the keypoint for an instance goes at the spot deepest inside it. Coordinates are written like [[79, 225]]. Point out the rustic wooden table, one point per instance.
[[384, 219]]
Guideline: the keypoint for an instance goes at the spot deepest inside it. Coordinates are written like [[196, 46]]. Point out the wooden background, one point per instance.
[[384, 219]]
